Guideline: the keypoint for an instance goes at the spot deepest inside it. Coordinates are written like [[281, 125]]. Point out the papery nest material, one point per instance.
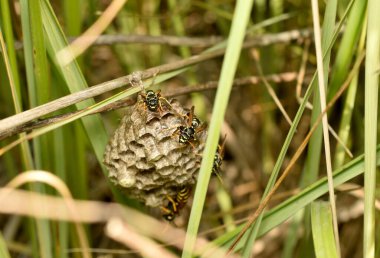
[[145, 158]]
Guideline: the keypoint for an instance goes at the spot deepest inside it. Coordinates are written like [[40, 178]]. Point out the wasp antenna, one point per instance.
[[164, 99], [222, 146], [191, 115], [192, 145], [219, 177]]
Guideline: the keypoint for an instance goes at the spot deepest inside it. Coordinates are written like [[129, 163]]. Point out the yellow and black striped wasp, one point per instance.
[[152, 100], [176, 203], [218, 158], [187, 133]]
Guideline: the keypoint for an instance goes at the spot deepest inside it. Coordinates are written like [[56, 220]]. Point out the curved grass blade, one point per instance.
[[291, 206], [3, 248], [323, 230], [73, 77]]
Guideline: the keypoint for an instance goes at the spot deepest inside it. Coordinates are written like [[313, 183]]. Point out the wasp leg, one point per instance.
[[176, 132], [166, 103], [165, 210], [159, 97], [173, 203], [141, 100], [168, 214], [191, 144], [201, 128], [217, 174], [191, 115]]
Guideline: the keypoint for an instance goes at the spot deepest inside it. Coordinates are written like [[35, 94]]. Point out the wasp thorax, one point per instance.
[[186, 134], [152, 100], [144, 156]]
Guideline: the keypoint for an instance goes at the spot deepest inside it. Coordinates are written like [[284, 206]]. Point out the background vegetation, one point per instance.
[[250, 70]]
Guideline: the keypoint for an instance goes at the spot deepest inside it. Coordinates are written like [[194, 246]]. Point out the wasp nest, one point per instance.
[[145, 158]]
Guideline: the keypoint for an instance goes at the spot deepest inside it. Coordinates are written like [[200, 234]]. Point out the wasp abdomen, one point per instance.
[[176, 204], [217, 163]]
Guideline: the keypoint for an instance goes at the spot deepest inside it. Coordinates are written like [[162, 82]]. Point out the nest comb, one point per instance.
[[145, 158]]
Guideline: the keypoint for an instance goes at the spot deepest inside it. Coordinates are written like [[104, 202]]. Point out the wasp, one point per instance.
[[152, 100], [176, 203], [218, 158], [187, 133]]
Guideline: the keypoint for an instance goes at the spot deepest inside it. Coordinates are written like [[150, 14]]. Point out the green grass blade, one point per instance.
[[291, 206], [39, 92], [75, 173], [314, 145], [6, 24], [348, 45], [178, 25], [4, 253], [60, 170], [310, 172], [313, 159], [236, 37], [255, 229], [323, 230], [286, 209], [129, 56], [211, 7], [314, 148], [191, 78], [225, 204], [372, 65], [28, 50], [327, 42], [322, 94], [72, 10], [12, 77], [11, 67], [38, 54], [345, 123], [154, 28], [74, 79]]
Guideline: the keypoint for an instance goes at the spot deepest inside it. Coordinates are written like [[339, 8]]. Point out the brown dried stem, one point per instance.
[[283, 77], [199, 42], [8, 123]]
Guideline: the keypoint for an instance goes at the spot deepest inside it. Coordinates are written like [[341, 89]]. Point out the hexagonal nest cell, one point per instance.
[[145, 158]]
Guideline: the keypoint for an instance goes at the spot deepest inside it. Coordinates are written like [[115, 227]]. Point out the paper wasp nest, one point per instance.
[[145, 158]]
